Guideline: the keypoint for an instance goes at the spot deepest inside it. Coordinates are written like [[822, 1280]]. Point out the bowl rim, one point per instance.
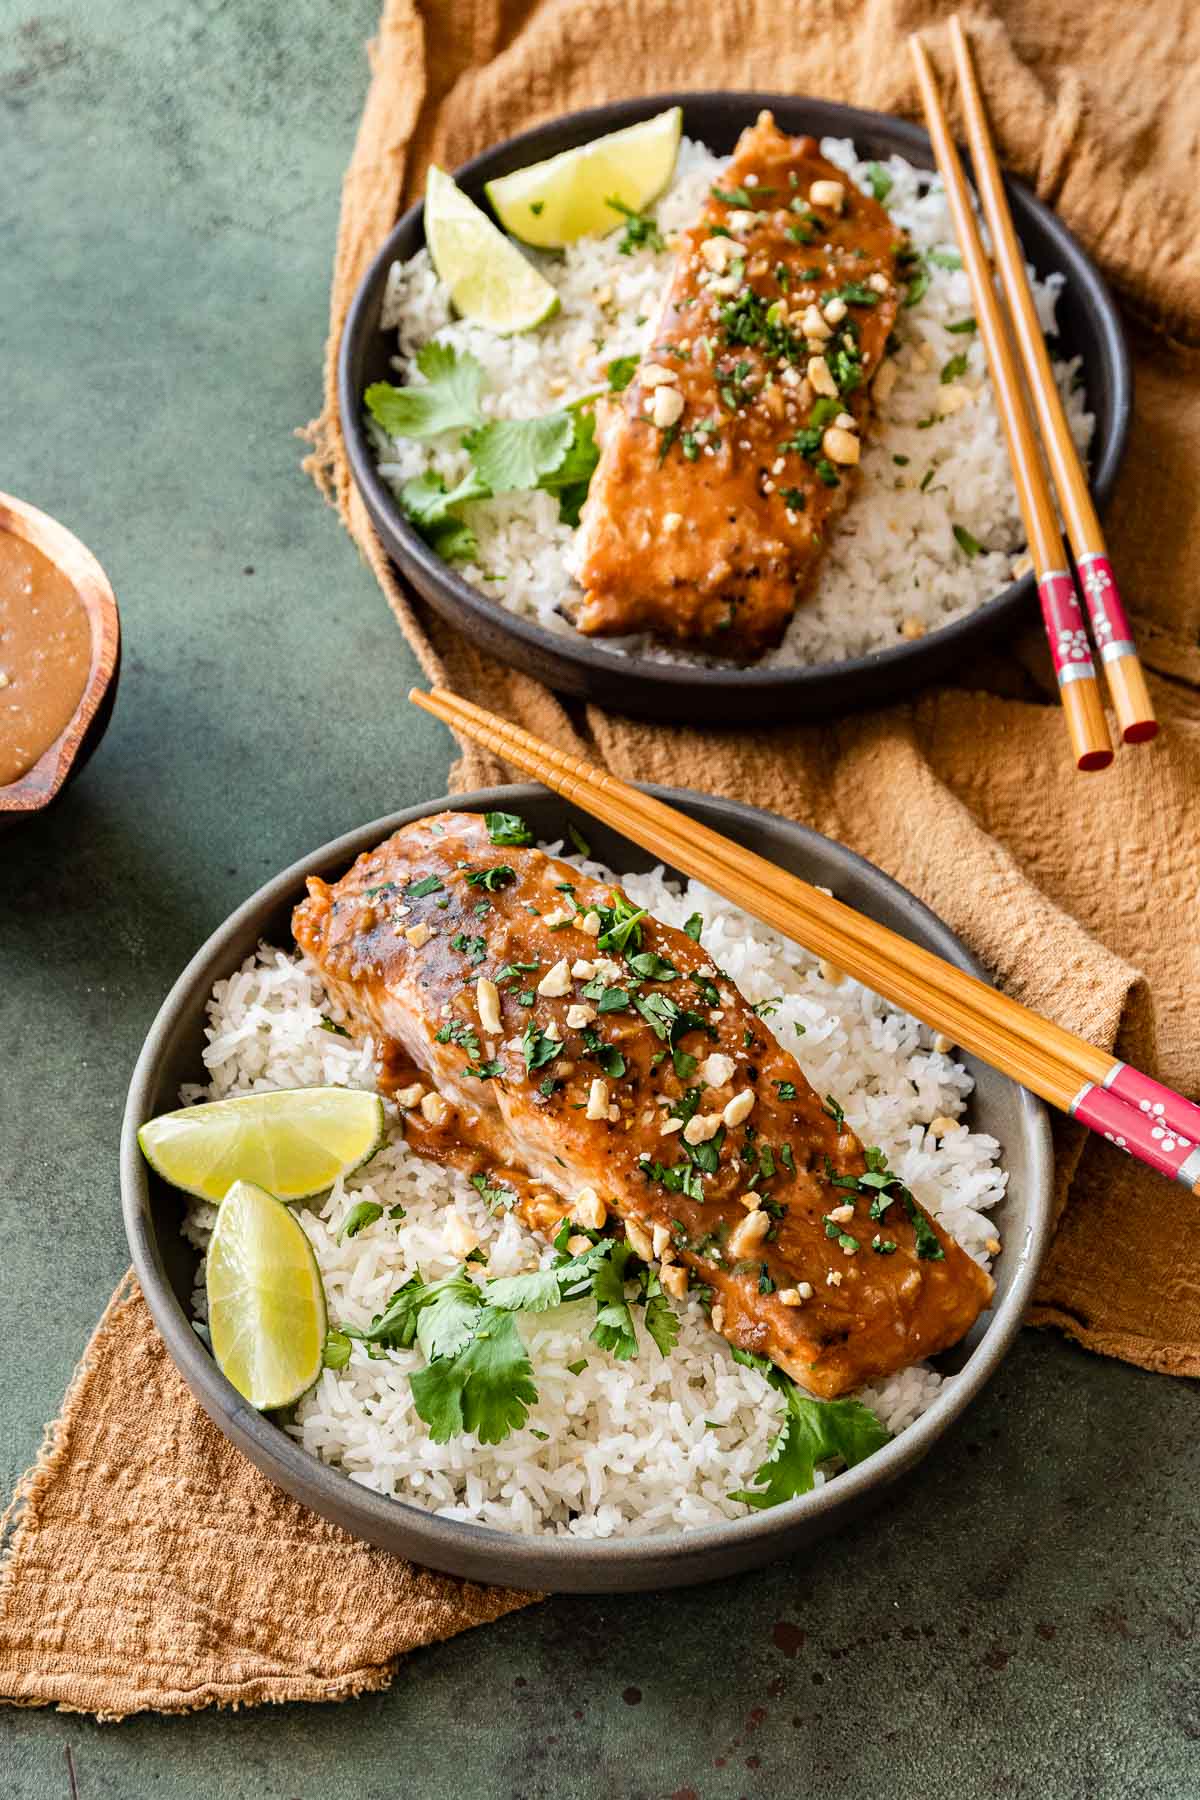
[[41, 782], [449, 1543], [904, 658]]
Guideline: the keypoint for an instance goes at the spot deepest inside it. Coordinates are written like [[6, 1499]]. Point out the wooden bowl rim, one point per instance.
[[39, 784]]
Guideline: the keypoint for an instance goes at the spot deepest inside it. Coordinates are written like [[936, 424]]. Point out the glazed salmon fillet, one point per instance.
[[582, 1060], [736, 443]]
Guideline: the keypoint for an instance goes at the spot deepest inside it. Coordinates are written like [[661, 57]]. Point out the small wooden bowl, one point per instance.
[[34, 791]]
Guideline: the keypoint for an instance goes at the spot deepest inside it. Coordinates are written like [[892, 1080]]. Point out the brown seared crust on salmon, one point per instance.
[[736, 443], [561, 1069]]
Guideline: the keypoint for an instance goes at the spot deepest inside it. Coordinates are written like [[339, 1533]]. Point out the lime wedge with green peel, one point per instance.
[[266, 1304], [295, 1142], [490, 282], [556, 202]]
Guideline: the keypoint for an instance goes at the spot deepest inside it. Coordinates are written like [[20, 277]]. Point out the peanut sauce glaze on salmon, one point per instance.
[[736, 443], [584, 1062]]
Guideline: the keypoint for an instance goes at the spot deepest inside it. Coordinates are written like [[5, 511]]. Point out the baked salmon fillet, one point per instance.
[[737, 441], [581, 1059]]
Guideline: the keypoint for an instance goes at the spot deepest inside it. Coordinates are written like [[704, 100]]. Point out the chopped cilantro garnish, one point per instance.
[[956, 366], [963, 325], [493, 878], [834, 1110], [507, 828], [620, 924], [879, 181], [428, 884], [969, 546], [473, 948], [787, 1090], [640, 233], [456, 1032], [365, 1213], [694, 927], [620, 372], [327, 1024], [537, 1048], [493, 1197]]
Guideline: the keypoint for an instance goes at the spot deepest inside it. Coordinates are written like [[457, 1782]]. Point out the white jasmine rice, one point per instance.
[[895, 566], [648, 1445]]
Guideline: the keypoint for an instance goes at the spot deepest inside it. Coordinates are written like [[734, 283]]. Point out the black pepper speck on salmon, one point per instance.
[[592, 1060]]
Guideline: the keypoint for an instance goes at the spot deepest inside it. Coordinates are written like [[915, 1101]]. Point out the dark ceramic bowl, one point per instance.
[[1089, 327], [166, 1263], [62, 760]]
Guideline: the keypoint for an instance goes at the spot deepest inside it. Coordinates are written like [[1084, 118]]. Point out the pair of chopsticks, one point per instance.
[[1065, 628], [1138, 1114]]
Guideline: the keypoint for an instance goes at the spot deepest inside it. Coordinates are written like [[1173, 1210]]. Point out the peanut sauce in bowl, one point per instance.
[[45, 654], [59, 657]]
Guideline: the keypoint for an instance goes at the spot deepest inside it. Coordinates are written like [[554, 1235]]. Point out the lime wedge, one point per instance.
[[490, 282], [553, 203], [266, 1305], [294, 1142]]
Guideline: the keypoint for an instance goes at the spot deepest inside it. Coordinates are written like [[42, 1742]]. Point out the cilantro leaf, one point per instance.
[[507, 828], [428, 506], [956, 366], [812, 1432], [511, 455], [614, 1327], [969, 545], [621, 924], [445, 1325], [358, 1218], [694, 927], [491, 879], [493, 1197], [487, 1389], [446, 400], [879, 181], [929, 1245], [662, 1323], [570, 480], [545, 1288], [650, 966], [537, 1048], [620, 371], [336, 1353], [640, 229]]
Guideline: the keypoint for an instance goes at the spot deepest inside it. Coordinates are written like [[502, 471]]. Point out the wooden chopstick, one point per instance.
[[1110, 626], [1066, 632], [1063, 1069]]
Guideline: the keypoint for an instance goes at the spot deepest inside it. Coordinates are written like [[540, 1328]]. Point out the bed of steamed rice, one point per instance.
[[894, 565], [652, 1444]]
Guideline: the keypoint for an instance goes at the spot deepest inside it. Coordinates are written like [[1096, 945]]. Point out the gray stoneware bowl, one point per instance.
[[1089, 327], [166, 1263]]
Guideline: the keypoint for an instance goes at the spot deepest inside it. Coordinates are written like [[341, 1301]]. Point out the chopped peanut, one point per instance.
[[748, 1233], [487, 999], [739, 1108], [597, 1103]]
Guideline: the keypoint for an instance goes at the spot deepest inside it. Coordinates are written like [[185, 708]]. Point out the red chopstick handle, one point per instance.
[[1066, 632], [1110, 626], [1139, 1133], [1161, 1105]]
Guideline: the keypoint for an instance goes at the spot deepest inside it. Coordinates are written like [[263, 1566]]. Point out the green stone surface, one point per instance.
[[1021, 1618]]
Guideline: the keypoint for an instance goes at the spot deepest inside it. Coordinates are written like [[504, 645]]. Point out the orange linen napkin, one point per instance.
[[125, 1587]]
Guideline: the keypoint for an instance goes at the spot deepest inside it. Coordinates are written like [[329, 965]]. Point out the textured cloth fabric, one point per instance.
[[148, 1564]]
